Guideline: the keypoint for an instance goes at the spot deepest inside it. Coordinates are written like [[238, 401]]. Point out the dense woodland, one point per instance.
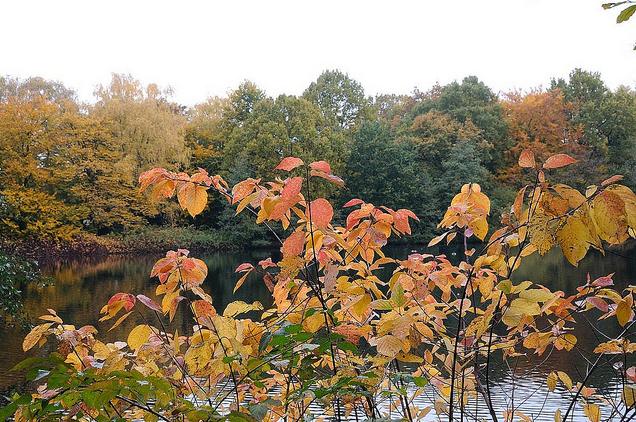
[[69, 169]]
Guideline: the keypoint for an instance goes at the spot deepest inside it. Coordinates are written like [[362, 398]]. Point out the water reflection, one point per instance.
[[82, 287]]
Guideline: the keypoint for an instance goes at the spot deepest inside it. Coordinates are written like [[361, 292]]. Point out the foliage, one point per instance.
[[69, 169], [338, 334], [14, 274]]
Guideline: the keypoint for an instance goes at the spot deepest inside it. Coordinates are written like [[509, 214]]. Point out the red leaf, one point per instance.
[[558, 160], [127, 299], [604, 281], [289, 163], [598, 303], [246, 266], [294, 244], [330, 177], [526, 159], [292, 188], [321, 212], [353, 202], [266, 263], [149, 303], [321, 166]]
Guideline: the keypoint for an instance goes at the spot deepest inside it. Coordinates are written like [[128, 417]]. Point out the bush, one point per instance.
[[339, 337]]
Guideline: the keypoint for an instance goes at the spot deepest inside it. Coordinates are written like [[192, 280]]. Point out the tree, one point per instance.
[[148, 128], [340, 98], [34, 132], [539, 120]]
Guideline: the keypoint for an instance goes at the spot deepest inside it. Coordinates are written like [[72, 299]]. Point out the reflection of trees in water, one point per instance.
[[553, 271], [83, 287]]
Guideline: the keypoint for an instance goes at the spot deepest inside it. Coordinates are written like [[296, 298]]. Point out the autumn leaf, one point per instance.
[[610, 218], [624, 312], [557, 161], [321, 166], [353, 202], [526, 159], [552, 381], [289, 163], [292, 188], [35, 335], [148, 302], [294, 244], [192, 198], [387, 345], [239, 307], [575, 239], [139, 336], [321, 212], [592, 411]]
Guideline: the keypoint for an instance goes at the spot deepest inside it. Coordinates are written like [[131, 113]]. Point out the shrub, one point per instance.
[[337, 335]]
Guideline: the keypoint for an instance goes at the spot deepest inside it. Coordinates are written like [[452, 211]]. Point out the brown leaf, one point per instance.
[[557, 161], [526, 159]]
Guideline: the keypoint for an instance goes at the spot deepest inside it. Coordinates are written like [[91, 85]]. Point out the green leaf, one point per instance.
[[626, 14], [420, 381]]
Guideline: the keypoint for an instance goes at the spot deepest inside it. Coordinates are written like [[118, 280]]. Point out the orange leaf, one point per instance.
[[353, 202], [289, 163], [321, 212], [526, 159], [294, 244], [292, 188], [192, 198], [558, 160], [321, 166]]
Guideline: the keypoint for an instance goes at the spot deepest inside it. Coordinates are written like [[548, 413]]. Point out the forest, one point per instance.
[[69, 170]]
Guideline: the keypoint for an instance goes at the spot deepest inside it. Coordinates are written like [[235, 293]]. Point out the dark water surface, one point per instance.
[[82, 288]]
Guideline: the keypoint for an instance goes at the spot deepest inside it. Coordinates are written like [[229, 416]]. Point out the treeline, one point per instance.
[[68, 168]]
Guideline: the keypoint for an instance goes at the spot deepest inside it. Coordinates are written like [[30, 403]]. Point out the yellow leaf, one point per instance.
[[565, 378], [34, 335], [241, 280], [541, 235], [239, 307], [593, 412], [629, 396], [537, 295], [575, 239], [519, 308], [552, 381], [120, 320], [479, 227], [314, 322], [609, 215], [192, 198], [361, 306], [139, 336], [623, 312]]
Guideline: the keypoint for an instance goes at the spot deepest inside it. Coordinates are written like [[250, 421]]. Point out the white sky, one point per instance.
[[203, 48]]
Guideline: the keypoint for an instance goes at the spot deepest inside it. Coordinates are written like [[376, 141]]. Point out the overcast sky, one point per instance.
[[204, 48]]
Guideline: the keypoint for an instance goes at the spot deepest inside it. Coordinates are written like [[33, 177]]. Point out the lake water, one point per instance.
[[81, 288]]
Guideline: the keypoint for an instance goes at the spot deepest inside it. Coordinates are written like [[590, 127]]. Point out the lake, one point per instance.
[[81, 288]]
